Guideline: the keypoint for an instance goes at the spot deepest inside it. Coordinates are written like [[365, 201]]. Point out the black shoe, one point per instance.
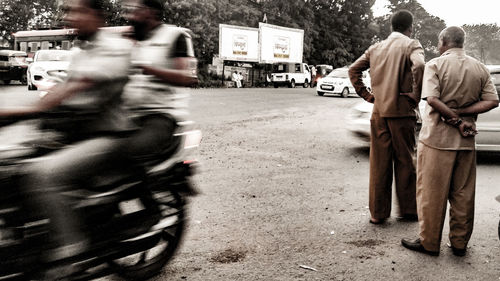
[[417, 246], [377, 221], [408, 218], [458, 252]]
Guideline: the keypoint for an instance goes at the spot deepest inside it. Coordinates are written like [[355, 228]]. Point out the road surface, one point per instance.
[[285, 185]]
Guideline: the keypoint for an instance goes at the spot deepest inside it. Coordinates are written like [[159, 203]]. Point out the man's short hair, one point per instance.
[[156, 5], [401, 21], [454, 36]]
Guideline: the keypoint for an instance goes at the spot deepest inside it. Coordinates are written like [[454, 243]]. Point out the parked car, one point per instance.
[[488, 124], [338, 83], [13, 66], [495, 75], [291, 74], [48, 67]]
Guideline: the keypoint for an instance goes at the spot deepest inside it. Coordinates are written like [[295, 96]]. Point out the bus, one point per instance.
[[31, 41]]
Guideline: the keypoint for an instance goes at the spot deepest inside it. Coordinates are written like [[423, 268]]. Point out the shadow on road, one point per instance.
[[363, 151]]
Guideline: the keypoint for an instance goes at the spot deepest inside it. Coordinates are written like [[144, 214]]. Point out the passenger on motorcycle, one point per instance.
[[92, 93], [161, 58]]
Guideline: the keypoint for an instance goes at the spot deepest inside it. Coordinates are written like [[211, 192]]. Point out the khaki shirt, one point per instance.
[[396, 66], [458, 81]]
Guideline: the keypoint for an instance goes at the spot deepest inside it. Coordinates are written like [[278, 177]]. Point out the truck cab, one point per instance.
[[291, 74]]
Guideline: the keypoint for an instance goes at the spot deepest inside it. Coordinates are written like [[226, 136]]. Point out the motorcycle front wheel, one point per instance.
[[146, 264]]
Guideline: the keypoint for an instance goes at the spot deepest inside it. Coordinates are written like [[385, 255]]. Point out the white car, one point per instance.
[[48, 68], [338, 83]]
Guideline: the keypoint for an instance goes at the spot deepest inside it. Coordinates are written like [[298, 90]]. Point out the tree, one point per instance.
[[43, 14], [426, 27], [203, 18], [483, 42], [293, 14], [22, 15], [335, 31]]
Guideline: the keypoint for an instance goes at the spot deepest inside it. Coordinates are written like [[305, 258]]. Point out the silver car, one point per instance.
[[488, 124]]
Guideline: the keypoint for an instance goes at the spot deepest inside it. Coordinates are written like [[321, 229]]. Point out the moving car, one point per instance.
[[13, 66], [338, 83], [48, 68], [488, 124], [495, 75], [291, 74]]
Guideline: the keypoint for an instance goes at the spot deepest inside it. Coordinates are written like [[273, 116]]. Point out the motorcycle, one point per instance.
[[135, 220]]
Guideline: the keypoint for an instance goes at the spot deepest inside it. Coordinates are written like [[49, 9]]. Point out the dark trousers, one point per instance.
[[154, 137], [63, 170], [392, 155], [69, 168]]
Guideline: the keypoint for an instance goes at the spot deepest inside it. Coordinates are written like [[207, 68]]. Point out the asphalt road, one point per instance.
[[284, 184]]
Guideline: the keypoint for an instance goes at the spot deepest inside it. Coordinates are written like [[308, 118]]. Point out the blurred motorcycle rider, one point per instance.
[[96, 77], [161, 58]]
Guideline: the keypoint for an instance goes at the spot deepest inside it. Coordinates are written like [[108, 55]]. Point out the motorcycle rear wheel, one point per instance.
[[146, 264]]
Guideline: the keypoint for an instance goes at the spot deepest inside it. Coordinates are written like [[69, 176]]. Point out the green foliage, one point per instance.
[[203, 18], [18, 15], [335, 31], [22, 15], [343, 32], [483, 42], [208, 80]]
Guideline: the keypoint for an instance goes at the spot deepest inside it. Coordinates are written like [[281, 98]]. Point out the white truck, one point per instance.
[[291, 74]]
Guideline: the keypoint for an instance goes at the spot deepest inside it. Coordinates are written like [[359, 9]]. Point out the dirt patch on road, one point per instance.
[[369, 243], [229, 256]]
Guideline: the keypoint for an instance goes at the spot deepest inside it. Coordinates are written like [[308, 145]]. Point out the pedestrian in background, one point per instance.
[[268, 80], [240, 78], [396, 68], [236, 79], [313, 75], [457, 88]]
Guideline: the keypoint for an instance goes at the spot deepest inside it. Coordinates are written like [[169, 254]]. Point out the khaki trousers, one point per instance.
[[392, 149], [444, 175]]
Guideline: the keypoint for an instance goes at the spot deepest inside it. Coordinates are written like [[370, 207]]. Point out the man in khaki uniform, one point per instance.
[[455, 86], [396, 68]]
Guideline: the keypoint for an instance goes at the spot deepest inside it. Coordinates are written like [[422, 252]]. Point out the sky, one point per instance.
[[455, 12]]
